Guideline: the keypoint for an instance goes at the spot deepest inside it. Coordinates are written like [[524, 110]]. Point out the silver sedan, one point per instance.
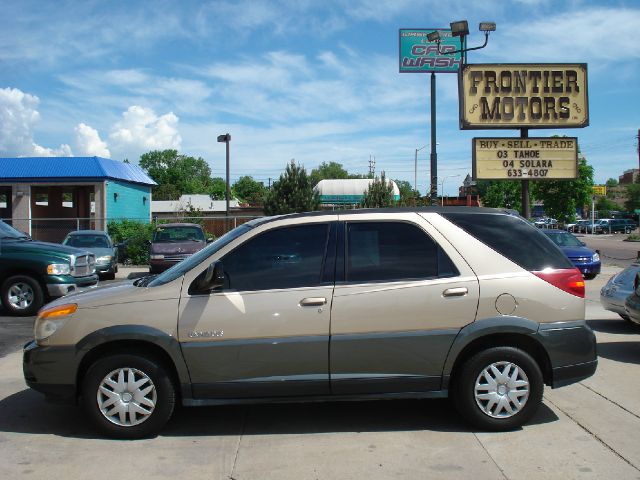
[[617, 289]]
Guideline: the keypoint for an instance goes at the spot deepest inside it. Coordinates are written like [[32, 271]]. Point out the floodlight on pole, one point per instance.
[[461, 29]]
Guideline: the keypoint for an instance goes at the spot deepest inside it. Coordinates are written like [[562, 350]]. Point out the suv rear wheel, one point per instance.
[[21, 295], [128, 396], [498, 389]]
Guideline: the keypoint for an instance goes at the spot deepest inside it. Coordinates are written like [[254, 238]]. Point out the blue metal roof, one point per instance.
[[65, 169]]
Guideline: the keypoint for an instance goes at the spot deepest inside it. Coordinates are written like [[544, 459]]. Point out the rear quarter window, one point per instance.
[[512, 237]]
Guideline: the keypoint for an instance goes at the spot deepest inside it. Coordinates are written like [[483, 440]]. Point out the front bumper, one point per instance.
[[51, 371], [65, 284], [591, 268], [571, 347]]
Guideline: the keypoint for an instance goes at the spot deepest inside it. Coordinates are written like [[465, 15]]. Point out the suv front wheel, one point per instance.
[[498, 389], [21, 295], [128, 396]]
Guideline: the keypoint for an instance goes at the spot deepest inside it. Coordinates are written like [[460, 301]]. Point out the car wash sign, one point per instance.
[[506, 96], [418, 55]]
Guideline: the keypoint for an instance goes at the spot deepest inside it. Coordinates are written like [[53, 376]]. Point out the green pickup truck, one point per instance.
[[32, 273]]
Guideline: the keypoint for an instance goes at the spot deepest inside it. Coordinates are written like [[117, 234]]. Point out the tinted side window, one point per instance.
[[379, 251], [513, 237], [282, 258]]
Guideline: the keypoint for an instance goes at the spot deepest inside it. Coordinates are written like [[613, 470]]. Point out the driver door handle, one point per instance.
[[455, 292], [313, 301]]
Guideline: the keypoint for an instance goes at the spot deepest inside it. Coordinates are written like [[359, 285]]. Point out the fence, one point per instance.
[[56, 229]]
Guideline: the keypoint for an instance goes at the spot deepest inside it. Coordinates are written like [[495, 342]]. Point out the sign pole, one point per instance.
[[526, 207], [434, 154]]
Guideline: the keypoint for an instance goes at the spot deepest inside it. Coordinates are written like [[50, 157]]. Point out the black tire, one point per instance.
[[589, 276], [109, 276], [464, 382], [30, 287], [165, 396]]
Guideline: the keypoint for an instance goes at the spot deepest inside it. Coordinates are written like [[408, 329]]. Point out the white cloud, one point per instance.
[[140, 129], [89, 142], [18, 116]]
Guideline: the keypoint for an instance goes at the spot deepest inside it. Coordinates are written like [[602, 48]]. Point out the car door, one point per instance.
[[265, 333], [404, 297]]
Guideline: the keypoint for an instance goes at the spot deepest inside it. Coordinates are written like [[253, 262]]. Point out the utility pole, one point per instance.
[[226, 139], [372, 165]]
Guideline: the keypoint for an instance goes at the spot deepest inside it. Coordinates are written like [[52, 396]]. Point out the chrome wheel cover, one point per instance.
[[126, 397], [21, 295], [501, 390]]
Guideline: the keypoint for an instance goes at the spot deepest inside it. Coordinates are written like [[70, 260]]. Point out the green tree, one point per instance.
[[217, 188], [408, 196], [248, 190], [612, 182], [603, 204], [500, 193], [379, 194], [633, 197], [292, 193], [561, 197], [175, 173], [331, 170]]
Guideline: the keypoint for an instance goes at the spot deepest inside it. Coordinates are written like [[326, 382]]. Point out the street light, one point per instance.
[[461, 29], [442, 186], [226, 138]]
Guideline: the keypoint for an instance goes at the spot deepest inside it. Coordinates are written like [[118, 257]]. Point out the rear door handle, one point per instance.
[[313, 301], [455, 292]]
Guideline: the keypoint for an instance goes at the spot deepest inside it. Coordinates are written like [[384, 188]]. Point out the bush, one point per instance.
[[135, 235]]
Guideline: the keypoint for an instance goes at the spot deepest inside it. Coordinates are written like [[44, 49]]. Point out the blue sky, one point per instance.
[[310, 80]]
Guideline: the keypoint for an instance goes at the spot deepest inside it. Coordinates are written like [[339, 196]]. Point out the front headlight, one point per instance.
[[103, 260], [58, 269], [52, 319], [157, 257], [595, 258]]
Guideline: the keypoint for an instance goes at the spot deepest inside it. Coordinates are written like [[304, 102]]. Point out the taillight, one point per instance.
[[568, 279]]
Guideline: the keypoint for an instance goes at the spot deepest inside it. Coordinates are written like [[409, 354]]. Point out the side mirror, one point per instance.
[[583, 244], [147, 242], [212, 277]]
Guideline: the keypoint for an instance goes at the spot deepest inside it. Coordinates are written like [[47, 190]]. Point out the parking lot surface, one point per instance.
[[587, 430]]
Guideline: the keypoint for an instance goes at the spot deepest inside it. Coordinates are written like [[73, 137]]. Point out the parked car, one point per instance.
[[546, 222], [585, 259], [364, 304], [32, 273], [613, 225], [580, 226], [172, 243], [632, 303], [617, 289], [99, 243]]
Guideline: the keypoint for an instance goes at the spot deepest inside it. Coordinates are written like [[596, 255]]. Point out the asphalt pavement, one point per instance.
[[583, 431]]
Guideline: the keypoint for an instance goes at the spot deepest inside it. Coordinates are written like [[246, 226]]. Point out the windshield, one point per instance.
[[177, 234], [565, 240], [7, 231], [87, 241], [187, 264]]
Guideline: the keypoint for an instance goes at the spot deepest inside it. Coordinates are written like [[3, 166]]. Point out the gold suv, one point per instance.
[[472, 303]]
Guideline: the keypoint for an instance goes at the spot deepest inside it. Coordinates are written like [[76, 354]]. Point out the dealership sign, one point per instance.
[[523, 96], [418, 55], [553, 158]]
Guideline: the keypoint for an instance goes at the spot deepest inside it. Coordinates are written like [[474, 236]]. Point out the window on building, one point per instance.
[[67, 199], [42, 199]]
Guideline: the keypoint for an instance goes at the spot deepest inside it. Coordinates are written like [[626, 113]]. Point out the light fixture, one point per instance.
[[115, 196], [459, 29], [433, 36], [487, 26]]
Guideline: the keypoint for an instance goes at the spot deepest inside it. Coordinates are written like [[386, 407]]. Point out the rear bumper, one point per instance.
[[571, 347]]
